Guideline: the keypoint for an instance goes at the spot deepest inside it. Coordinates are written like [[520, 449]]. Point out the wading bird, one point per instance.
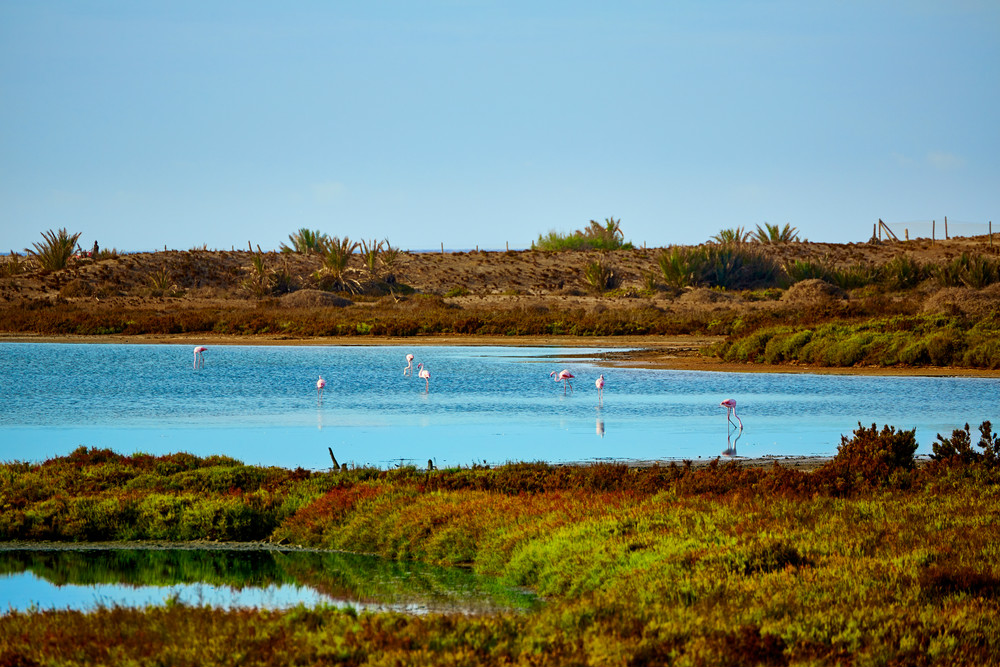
[[600, 389], [408, 369], [426, 375], [199, 358], [320, 383], [730, 406], [563, 376]]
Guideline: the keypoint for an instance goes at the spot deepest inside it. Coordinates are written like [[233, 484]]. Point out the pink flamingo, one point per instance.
[[563, 376], [199, 358], [730, 406], [600, 388], [320, 383], [425, 375], [408, 370]]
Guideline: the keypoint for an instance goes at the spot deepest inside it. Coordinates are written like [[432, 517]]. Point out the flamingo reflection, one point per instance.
[[730, 406]]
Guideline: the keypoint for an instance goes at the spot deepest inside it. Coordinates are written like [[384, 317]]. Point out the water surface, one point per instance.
[[259, 404], [85, 578]]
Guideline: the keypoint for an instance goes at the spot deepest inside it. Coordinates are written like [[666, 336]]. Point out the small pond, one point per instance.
[[85, 578]]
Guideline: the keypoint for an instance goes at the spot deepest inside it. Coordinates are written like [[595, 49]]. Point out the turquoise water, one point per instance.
[[86, 578], [259, 404]]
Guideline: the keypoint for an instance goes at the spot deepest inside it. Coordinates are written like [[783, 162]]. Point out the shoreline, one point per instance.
[[680, 353]]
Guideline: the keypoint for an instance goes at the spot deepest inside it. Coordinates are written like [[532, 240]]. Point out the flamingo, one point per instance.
[[730, 406], [563, 376], [408, 369], [425, 375], [199, 358], [600, 388], [320, 383]]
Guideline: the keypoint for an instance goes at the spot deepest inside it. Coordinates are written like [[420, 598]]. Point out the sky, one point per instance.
[[478, 123]]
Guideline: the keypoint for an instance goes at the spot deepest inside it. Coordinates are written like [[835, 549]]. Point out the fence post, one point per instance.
[[945, 228], [442, 247], [991, 233], [932, 230]]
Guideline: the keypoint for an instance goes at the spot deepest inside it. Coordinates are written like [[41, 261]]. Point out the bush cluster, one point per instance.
[[898, 341]]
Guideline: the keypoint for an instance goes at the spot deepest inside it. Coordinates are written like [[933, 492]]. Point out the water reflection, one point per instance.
[[600, 427], [85, 578]]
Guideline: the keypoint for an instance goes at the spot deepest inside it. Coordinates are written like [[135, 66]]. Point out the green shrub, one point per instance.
[[731, 267], [601, 276], [902, 272], [799, 270], [853, 277], [596, 236]]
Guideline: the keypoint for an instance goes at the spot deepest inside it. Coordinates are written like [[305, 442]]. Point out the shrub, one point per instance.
[[601, 277], [902, 272], [680, 266], [56, 250], [973, 271], [13, 266], [596, 236], [870, 458], [799, 270], [853, 277], [728, 266], [958, 448]]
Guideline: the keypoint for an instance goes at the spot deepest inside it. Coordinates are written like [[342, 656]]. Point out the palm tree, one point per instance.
[[306, 240], [55, 252], [774, 234], [736, 235]]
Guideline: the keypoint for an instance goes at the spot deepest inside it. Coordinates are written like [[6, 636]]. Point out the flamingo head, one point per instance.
[[729, 404], [420, 365]]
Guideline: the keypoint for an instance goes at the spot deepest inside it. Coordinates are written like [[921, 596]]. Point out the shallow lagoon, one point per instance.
[[494, 404]]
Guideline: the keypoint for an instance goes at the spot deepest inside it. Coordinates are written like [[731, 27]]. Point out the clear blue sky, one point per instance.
[[144, 124]]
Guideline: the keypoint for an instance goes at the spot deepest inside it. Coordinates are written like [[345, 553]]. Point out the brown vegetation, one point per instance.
[[513, 293]]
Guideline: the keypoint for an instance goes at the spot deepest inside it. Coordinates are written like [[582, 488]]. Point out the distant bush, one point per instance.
[[967, 270], [914, 341], [596, 236]]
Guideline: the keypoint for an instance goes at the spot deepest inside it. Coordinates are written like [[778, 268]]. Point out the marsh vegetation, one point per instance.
[[868, 559]]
